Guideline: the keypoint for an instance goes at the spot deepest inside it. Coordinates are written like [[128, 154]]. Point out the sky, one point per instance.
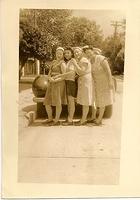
[[102, 18]]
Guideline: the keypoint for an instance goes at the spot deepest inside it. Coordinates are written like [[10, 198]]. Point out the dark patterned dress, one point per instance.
[[56, 92]]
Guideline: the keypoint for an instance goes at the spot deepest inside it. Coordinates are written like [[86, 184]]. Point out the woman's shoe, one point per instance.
[[91, 120], [56, 123], [81, 123], [98, 123], [47, 122], [67, 123]]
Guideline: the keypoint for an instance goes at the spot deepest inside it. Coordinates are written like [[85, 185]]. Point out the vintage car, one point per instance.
[[39, 88]]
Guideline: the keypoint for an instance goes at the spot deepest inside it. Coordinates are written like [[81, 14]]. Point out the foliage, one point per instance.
[[119, 62], [45, 29], [112, 47], [80, 31], [42, 30], [31, 44], [39, 33]]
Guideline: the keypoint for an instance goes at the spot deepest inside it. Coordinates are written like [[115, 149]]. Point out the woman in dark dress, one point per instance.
[[56, 91]]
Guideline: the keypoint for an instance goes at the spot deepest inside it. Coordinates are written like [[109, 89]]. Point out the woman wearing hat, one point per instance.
[[56, 91], [104, 88], [85, 91]]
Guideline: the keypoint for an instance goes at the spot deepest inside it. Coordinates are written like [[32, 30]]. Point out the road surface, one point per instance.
[[69, 155]]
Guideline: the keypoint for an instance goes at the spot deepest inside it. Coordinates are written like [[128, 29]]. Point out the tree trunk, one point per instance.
[[20, 71], [21, 65]]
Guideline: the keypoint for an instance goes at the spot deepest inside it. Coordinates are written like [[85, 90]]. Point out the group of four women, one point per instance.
[[95, 86]]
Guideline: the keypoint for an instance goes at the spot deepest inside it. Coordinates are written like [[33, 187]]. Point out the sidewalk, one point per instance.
[[77, 155]]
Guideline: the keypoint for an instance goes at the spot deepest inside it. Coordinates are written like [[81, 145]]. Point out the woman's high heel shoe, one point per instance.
[[56, 123], [81, 123], [91, 121], [98, 123]]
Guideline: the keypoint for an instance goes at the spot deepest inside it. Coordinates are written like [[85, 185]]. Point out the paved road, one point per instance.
[[77, 155]]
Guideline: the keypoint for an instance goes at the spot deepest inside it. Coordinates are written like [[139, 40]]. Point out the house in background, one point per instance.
[[34, 67]]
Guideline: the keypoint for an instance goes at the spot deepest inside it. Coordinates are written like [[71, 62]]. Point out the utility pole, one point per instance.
[[34, 16], [115, 24]]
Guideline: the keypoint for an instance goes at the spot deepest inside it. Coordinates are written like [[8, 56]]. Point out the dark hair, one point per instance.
[[69, 49], [87, 48]]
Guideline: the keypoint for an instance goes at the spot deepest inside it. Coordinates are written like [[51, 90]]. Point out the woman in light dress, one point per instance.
[[56, 91], [85, 88], [104, 87]]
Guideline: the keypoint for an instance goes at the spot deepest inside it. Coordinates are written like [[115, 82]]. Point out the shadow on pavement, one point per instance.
[[29, 108]]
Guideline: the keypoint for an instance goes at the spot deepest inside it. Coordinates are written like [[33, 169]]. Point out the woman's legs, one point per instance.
[[94, 111], [85, 110], [58, 113], [101, 113], [71, 108], [49, 112]]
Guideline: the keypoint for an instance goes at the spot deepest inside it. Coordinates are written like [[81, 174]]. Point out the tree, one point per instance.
[[40, 32], [114, 44], [80, 31], [108, 49], [119, 61], [31, 44]]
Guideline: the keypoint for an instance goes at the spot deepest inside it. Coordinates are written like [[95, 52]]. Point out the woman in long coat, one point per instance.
[[104, 87]]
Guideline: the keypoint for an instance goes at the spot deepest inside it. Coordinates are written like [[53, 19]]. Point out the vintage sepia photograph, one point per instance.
[[71, 74]]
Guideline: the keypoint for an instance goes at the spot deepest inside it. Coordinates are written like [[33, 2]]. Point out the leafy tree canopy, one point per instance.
[[42, 30]]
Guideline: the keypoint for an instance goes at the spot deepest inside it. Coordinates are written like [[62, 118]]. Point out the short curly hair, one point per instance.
[[68, 49]]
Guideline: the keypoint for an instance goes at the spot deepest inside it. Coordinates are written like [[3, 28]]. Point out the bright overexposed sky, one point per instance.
[[102, 17]]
